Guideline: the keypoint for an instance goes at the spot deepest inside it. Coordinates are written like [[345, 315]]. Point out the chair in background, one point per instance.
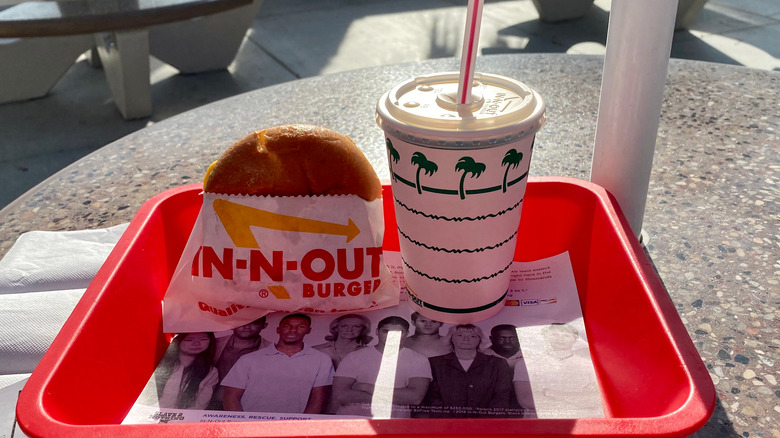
[[31, 65]]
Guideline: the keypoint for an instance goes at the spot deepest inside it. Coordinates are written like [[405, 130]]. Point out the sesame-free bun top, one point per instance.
[[293, 160]]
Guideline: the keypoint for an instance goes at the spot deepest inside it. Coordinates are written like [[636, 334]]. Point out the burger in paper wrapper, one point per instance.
[[291, 220]]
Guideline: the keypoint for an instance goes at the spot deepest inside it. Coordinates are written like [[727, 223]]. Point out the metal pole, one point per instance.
[[639, 40]]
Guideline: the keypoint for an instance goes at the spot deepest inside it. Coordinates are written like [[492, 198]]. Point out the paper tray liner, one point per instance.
[[652, 379]]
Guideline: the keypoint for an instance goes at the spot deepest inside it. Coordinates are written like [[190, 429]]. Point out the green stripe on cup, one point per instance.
[[422, 303]]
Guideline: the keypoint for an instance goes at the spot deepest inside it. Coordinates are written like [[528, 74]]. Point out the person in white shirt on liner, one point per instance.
[[355, 381], [288, 377], [348, 333], [565, 386], [426, 339]]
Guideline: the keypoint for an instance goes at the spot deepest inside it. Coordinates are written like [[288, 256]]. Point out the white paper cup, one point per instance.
[[458, 178]]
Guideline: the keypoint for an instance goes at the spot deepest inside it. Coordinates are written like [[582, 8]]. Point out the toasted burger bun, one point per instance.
[[293, 160]]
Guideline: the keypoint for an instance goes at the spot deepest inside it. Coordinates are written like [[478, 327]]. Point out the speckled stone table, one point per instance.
[[712, 213]]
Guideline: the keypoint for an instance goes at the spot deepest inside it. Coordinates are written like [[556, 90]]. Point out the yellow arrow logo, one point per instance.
[[280, 292], [237, 220]]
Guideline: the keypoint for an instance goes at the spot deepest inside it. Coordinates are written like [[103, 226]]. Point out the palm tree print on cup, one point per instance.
[[394, 156], [511, 160], [422, 163], [468, 166]]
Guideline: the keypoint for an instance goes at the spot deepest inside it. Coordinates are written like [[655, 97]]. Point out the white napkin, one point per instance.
[[42, 277], [7, 380], [56, 260]]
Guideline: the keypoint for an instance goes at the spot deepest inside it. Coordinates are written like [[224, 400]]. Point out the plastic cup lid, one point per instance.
[[424, 110]]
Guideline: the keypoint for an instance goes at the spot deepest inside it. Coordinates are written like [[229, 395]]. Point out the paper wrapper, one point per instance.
[[250, 255]]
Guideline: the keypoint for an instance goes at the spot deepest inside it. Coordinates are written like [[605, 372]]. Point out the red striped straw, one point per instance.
[[469, 55]]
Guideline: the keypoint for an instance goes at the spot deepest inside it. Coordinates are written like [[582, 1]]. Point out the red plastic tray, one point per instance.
[[652, 379]]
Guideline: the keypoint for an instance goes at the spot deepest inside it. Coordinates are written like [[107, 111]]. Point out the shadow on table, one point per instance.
[[79, 116], [558, 37], [718, 425], [179, 93], [715, 36], [686, 46], [730, 36]]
